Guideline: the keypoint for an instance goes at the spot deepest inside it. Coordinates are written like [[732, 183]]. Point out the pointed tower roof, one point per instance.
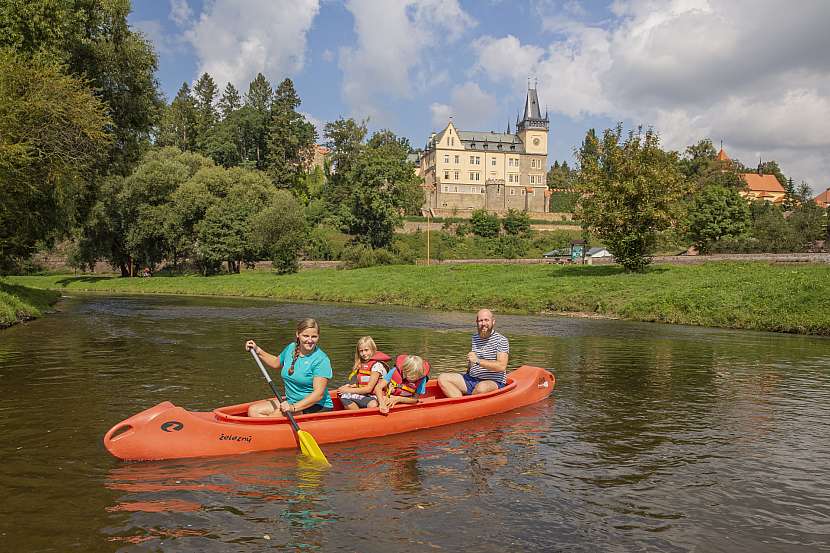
[[722, 155], [533, 115]]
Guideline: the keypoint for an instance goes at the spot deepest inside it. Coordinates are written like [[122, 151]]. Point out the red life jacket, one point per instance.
[[363, 374], [398, 385]]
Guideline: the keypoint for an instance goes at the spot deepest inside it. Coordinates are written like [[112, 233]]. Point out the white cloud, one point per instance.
[[234, 41], [746, 71], [180, 12], [327, 55], [392, 37], [470, 107]]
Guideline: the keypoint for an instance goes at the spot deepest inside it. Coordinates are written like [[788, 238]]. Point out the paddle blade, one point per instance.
[[310, 448]]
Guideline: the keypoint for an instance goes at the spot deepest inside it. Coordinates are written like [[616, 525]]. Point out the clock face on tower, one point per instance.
[[535, 141]]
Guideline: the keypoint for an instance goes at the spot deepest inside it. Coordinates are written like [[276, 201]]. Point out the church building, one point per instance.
[[468, 170]]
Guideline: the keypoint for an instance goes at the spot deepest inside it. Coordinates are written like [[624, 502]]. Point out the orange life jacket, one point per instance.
[[398, 385], [363, 374]]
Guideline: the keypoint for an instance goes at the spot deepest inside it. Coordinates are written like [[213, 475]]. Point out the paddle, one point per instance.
[[307, 443]]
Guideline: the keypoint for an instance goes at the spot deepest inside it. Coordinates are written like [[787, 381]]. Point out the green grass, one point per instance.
[[750, 295], [18, 303]]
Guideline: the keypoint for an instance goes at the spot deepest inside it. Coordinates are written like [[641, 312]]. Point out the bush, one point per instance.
[[563, 202], [484, 224], [516, 222], [463, 229], [317, 247], [511, 246]]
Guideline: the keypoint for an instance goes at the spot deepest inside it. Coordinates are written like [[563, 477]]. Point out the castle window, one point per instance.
[[446, 189], [446, 175], [456, 175], [457, 159], [473, 190], [472, 160], [493, 162], [446, 158], [512, 192], [455, 189]]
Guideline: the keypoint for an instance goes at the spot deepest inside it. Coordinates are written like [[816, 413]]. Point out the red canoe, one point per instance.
[[169, 432]]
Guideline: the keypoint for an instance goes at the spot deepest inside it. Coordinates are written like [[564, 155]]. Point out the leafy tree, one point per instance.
[[94, 41], [382, 188], [134, 221], [516, 222], [279, 232], [345, 140], [53, 132], [630, 192], [701, 168], [773, 233], [715, 213], [224, 234], [808, 223], [290, 142], [484, 224]]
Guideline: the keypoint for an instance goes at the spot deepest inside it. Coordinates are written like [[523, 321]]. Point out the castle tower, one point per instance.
[[533, 128]]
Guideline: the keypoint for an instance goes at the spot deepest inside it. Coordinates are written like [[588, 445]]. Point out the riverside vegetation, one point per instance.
[[748, 295]]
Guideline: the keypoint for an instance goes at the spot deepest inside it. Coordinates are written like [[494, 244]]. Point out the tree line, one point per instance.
[[91, 153], [629, 192]]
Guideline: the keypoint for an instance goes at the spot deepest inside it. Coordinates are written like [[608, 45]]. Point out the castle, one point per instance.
[[467, 170]]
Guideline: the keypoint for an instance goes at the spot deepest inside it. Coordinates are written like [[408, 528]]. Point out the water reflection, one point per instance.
[[657, 438]]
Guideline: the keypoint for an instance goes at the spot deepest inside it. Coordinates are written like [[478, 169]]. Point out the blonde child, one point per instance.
[[369, 367], [404, 383]]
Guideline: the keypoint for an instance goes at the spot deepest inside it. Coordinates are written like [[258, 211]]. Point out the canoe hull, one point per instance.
[[167, 431]]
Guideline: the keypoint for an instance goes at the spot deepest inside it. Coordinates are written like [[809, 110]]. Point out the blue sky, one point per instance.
[[751, 73]]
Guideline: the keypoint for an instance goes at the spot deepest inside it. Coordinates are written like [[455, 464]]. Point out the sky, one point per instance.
[[752, 74]]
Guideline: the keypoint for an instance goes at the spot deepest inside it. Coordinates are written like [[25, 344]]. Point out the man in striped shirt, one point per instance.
[[486, 363]]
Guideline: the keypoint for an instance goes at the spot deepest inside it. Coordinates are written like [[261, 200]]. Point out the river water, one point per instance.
[[656, 438]]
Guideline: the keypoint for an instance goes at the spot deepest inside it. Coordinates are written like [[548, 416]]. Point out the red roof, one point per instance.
[[722, 156], [762, 183], [823, 199]]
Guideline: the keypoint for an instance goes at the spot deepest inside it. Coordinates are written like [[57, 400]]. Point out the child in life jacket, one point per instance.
[[404, 383], [369, 366]]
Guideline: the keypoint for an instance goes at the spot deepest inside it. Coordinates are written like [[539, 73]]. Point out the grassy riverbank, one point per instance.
[[18, 303], [750, 295]]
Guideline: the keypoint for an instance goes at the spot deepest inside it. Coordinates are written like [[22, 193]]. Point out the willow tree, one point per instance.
[[53, 131], [630, 190]]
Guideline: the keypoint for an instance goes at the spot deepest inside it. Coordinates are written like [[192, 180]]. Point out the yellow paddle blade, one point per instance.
[[310, 448]]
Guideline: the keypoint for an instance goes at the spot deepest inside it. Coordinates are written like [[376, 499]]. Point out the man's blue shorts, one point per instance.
[[472, 382]]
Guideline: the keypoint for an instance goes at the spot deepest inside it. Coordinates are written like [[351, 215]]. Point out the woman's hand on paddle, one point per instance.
[[251, 345], [286, 407]]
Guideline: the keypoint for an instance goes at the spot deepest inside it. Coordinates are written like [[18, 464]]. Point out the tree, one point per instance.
[[701, 168], [345, 140], [53, 132], [631, 190], [280, 232], [230, 101], [93, 39], [291, 141], [484, 224], [808, 223], [516, 222], [256, 119], [134, 221], [716, 212], [382, 188], [179, 122], [204, 99]]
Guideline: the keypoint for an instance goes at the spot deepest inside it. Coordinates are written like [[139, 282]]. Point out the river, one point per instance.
[[656, 438]]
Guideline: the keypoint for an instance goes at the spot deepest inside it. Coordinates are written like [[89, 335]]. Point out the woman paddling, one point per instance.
[[306, 371]]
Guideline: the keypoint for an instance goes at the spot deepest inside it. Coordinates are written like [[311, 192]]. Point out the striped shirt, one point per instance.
[[487, 348]]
